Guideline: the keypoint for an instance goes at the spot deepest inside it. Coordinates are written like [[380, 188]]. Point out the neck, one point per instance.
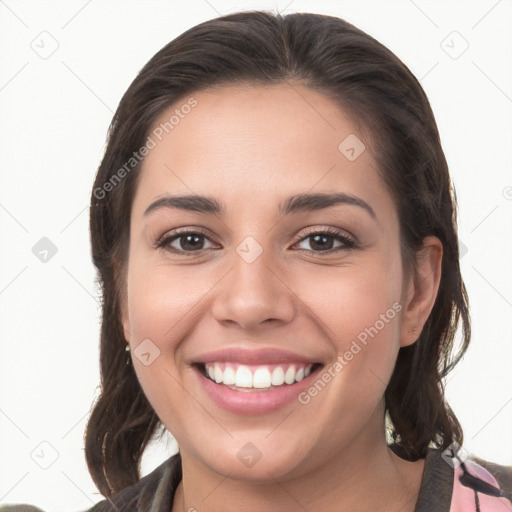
[[365, 475]]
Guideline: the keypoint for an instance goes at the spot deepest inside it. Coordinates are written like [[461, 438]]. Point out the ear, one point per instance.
[[122, 293], [125, 317], [123, 309], [420, 291]]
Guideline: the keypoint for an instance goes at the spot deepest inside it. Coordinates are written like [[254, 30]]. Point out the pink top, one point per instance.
[[469, 499]]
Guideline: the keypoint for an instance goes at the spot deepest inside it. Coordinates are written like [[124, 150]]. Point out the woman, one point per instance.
[[274, 229]]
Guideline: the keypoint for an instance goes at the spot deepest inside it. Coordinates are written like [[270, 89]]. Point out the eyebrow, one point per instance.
[[294, 204]]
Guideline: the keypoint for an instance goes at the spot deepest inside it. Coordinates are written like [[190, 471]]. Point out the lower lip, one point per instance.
[[253, 402]]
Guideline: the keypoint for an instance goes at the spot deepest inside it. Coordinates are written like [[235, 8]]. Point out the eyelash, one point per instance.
[[348, 243]]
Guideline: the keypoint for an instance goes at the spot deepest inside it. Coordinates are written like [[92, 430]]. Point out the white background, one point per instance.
[[54, 117]]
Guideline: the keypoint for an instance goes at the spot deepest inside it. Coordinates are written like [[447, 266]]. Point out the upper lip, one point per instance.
[[253, 356]]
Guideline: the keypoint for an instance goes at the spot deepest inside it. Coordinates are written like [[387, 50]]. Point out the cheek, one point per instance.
[[348, 303], [161, 302], [354, 302], [161, 309], [359, 310], [164, 305]]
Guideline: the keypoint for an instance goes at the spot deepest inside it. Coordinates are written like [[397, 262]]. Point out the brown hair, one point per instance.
[[334, 57]]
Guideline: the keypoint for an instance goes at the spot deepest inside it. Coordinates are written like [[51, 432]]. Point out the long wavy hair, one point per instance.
[[387, 102]]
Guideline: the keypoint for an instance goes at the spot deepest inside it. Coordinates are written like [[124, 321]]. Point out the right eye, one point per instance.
[[183, 241]]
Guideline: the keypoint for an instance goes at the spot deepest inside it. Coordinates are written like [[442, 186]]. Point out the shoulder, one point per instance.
[[456, 481], [502, 474], [478, 482], [19, 507], [156, 488], [154, 491]]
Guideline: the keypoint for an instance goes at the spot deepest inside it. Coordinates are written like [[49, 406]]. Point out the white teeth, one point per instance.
[[243, 377], [289, 376], [218, 374], [260, 377], [229, 376], [278, 376]]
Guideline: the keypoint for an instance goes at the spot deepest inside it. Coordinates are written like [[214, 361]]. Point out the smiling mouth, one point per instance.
[[250, 378]]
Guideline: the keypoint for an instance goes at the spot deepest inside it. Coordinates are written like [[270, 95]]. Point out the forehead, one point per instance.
[[257, 143]]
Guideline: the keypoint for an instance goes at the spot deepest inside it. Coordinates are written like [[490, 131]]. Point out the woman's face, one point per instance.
[[256, 291]]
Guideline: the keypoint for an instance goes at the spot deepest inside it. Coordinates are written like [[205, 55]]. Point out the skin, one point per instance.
[[252, 147]]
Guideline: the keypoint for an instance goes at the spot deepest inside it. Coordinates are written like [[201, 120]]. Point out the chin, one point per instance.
[[259, 462]]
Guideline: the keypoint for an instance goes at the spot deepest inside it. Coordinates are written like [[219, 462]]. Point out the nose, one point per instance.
[[254, 293]]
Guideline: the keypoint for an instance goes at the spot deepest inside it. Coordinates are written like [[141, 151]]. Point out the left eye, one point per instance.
[[323, 241]]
